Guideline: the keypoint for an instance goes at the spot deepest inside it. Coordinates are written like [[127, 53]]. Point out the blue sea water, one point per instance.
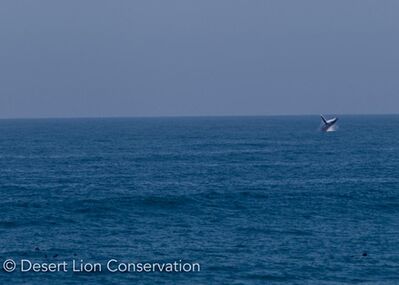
[[253, 200]]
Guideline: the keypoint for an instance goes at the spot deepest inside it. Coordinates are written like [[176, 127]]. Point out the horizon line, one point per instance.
[[190, 116]]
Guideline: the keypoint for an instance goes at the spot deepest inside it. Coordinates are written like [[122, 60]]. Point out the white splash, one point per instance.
[[333, 128]]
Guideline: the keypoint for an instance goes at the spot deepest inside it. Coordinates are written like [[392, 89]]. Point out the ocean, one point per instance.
[[251, 200]]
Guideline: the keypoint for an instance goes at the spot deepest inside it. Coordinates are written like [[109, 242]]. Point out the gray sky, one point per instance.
[[218, 57]]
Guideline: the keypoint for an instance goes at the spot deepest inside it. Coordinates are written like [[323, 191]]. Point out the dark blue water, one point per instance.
[[257, 200]]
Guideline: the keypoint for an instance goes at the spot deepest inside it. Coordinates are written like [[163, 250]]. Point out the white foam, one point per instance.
[[333, 128]]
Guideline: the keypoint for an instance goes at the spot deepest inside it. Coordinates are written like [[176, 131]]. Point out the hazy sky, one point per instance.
[[218, 57]]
